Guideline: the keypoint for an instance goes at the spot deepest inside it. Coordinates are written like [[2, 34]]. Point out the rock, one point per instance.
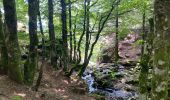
[[128, 63], [126, 44], [49, 95], [78, 90], [132, 82], [119, 75]]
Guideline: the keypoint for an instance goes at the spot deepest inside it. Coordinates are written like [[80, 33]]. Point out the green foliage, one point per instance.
[[113, 74], [17, 98], [139, 42], [22, 9]]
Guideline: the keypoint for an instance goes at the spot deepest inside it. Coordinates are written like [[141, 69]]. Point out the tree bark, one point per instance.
[[70, 30], [144, 63], [74, 39], [51, 34], [87, 31], [14, 54], [40, 76], [3, 50], [161, 56], [31, 63], [117, 33], [64, 34]]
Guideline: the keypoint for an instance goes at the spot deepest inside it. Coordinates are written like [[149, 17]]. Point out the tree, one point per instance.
[[70, 30], [101, 24], [117, 33], [83, 33], [144, 61], [43, 51], [51, 33], [64, 33], [3, 49], [31, 63], [87, 31], [74, 40], [161, 56], [14, 54]]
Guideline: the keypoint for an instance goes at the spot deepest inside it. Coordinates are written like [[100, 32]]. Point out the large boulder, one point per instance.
[[107, 49], [128, 50]]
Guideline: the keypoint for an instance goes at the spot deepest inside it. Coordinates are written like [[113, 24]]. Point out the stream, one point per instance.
[[110, 93]]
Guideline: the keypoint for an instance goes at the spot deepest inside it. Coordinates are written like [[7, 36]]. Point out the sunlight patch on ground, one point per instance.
[[20, 94], [59, 90]]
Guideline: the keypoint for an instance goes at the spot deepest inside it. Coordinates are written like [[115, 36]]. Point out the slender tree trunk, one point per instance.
[[117, 33], [14, 54], [143, 34], [161, 56], [70, 30], [31, 63], [3, 50], [43, 51], [64, 34], [87, 32], [100, 28], [84, 30], [51, 33], [74, 39], [144, 63]]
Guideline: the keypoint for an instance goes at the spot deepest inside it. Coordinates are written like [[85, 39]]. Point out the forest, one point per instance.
[[84, 49]]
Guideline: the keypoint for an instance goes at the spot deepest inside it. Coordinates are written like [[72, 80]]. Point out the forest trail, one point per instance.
[[54, 86]]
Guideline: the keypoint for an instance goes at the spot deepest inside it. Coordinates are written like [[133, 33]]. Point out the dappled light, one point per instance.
[[84, 49]]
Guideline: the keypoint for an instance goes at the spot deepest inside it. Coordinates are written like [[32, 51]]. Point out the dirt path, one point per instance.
[[54, 86]]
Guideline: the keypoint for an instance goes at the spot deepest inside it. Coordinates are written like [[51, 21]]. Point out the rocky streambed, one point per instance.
[[113, 82]]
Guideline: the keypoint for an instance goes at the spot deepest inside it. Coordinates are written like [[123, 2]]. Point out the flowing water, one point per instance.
[[110, 93]]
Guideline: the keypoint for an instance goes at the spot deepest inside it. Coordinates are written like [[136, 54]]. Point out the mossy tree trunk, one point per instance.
[[146, 62], [31, 63], [145, 57], [14, 54], [40, 76], [161, 60], [3, 49]]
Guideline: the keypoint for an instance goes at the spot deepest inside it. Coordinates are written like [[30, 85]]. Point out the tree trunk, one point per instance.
[[70, 30], [161, 56], [40, 76], [100, 28], [117, 33], [75, 43], [14, 54], [31, 63], [64, 34], [84, 30], [87, 31], [144, 63], [51, 34], [3, 50]]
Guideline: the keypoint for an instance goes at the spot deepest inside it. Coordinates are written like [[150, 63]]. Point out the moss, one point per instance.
[[29, 70], [14, 62], [17, 98], [161, 59]]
